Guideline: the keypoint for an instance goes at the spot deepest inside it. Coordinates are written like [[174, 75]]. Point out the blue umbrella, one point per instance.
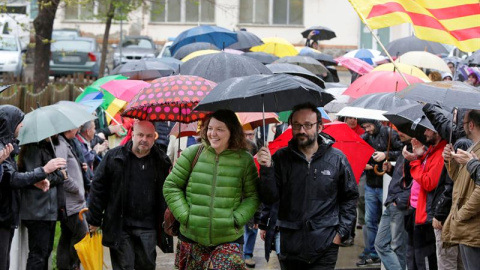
[[364, 54], [218, 36]]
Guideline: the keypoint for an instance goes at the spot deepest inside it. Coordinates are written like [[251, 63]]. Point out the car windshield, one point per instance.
[[137, 43], [57, 34], [72, 45], [8, 44]]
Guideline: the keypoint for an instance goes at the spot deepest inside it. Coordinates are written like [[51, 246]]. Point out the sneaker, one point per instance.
[[347, 243], [368, 260], [362, 255], [249, 262]]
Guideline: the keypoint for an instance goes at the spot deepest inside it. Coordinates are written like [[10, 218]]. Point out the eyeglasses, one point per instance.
[[306, 126]]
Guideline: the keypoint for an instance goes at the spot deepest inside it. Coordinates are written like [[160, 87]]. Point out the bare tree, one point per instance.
[[43, 25], [108, 23]]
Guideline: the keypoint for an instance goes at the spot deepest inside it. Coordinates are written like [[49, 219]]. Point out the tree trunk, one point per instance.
[[43, 25], [108, 23]]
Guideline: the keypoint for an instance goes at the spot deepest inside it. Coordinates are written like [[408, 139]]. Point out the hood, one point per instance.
[[376, 123], [10, 118]]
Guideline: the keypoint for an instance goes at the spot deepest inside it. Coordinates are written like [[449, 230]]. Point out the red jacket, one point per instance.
[[426, 170]]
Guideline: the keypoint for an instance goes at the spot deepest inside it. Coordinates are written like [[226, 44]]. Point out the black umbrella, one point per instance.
[[264, 58], [144, 69], [193, 47], [324, 58], [445, 93], [306, 62], [246, 40], [218, 67], [381, 101], [474, 59], [263, 93], [319, 33], [297, 71], [412, 43], [411, 120]]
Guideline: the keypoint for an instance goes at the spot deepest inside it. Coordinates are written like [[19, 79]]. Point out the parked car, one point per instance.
[[11, 55], [65, 33], [165, 52], [134, 48], [78, 55]]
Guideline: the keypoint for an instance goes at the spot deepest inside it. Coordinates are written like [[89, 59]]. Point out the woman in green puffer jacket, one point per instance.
[[214, 199]]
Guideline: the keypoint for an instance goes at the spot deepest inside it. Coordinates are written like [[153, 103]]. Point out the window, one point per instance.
[[272, 12], [183, 11], [85, 11]]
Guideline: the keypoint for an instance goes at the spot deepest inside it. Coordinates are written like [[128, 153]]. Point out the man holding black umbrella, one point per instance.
[[316, 189]]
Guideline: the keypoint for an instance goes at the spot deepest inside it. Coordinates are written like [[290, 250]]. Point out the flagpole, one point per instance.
[[379, 42]]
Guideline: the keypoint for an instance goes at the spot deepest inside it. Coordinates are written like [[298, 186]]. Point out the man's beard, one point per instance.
[[431, 141], [310, 140]]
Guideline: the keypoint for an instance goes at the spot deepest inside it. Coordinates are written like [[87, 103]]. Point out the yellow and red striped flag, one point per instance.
[[455, 22]]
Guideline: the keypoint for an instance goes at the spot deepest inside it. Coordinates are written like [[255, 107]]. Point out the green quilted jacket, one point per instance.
[[220, 198]]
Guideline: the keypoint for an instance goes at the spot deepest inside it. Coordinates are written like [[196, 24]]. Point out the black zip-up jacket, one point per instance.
[[399, 188], [379, 141], [317, 199], [107, 195]]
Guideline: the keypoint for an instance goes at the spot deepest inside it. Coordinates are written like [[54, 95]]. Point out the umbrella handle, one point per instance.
[[82, 213], [377, 172]]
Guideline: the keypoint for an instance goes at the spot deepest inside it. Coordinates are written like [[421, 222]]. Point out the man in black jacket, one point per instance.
[[383, 140], [126, 200], [11, 181], [316, 190]]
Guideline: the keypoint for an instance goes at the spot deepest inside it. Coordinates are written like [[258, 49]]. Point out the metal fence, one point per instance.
[[21, 92]]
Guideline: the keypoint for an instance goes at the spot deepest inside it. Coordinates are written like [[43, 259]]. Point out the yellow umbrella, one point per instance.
[[114, 108], [276, 46], [198, 53], [404, 68], [423, 60]]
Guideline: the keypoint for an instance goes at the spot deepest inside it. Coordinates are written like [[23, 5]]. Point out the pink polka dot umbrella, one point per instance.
[[170, 99]]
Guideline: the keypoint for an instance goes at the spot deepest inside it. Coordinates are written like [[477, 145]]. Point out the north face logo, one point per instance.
[[326, 172]]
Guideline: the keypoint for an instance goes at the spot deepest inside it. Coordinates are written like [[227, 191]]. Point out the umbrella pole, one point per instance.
[[451, 130], [53, 147], [263, 116]]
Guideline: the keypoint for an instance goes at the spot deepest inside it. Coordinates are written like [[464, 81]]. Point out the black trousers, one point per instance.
[[41, 234], [6, 236], [327, 261], [136, 250], [73, 230]]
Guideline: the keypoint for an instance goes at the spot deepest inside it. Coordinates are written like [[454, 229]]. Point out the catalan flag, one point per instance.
[[455, 22]]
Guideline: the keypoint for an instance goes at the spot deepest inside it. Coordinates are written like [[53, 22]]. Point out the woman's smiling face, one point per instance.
[[218, 135]]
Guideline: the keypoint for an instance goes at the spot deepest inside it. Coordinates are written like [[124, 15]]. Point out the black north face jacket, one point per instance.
[[317, 198]]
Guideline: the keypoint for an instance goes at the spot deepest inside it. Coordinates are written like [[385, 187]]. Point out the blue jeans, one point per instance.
[[391, 238], [249, 237], [373, 212]]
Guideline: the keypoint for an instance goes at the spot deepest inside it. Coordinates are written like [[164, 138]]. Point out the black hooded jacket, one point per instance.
[[316, 199], [11, 181], [379, 141]]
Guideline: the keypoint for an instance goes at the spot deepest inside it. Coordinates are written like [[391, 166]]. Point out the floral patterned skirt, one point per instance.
[[227, 256]]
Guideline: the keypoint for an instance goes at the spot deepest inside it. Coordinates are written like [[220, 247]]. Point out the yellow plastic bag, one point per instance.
[[90, 251]]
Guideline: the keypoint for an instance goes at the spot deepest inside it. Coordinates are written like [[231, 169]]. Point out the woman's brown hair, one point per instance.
[[237, 140]]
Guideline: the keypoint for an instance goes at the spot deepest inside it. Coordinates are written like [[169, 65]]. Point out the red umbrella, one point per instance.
[[256, 119], [354, 64], [170, 99], [357, 151], [379, 82]]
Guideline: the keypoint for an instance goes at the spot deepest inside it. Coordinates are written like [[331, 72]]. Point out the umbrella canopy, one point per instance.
[[198, 53], [324, 58], [170, 99], [340, 101], [184, 129], [276, 46], [380, 101], [306, 62], [221, 66], [51, 120], [124, 89], [412, 43], [379, 82], [264, 58], [269, 93], [174, 63], [4, 87], [283, 116], [90, 105], [255, 119], [405, 69], [411, 120], [319, 33], [424, 60], [193, 47], [246, 40], [357, 151], [362, 113], [446, 93], [218, 36], [474, 59], [144, 69], [366, 55], [291, 69], [354, 64]]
